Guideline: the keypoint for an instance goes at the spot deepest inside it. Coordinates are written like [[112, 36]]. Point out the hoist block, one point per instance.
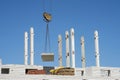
[[47, 57], [47, 16]]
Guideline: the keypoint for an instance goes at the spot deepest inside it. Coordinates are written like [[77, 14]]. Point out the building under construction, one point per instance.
[[68, 72]]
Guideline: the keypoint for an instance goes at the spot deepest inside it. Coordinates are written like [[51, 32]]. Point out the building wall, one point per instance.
[[80, 72], [17, 72], [18, 69], [102, 72], [115, 72]]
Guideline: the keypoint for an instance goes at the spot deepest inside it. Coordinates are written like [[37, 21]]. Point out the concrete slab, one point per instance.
[[47, 57]]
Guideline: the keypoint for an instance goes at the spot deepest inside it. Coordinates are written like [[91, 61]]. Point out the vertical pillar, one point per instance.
[[31, 46], [67, 49], [26, 48], [0, 65], [97, 48], [83, 53], [72, 47], [60, 50], [0, 62]]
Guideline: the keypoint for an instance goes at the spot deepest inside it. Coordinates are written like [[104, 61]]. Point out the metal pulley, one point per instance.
[[47, 17]]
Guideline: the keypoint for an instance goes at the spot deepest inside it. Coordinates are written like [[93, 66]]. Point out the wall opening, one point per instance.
[[5, 70], [47, 69], [106, 73], [109, 72], [82, 73], [29, 71]]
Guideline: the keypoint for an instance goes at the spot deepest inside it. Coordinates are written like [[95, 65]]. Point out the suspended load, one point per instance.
[[47, 55]]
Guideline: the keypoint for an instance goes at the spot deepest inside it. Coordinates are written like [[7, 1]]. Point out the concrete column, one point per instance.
[[0, 61], [26, 48], [83, 53], [67, 49], [31, 46], [97, 48], [60, 49], [72, 47]]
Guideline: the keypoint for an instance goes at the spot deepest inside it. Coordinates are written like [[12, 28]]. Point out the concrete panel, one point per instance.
[[47, 56]]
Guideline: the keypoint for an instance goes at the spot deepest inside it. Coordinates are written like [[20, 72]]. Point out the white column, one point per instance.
[[0, 62], [83, 53], [31, 46], [0, 65], [97, 48], [72, 47], [67, 49], [26, 48], [60, 50]]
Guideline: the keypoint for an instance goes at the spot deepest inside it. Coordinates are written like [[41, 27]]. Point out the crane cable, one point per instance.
[[47, 40], [47, 19], [49, 5]]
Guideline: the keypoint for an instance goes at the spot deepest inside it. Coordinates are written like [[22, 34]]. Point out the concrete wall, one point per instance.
[[115, 72], [17, 72], [102, 72], [19, 69]]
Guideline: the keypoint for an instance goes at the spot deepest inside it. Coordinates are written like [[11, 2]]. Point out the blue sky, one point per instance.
[[85, 16]]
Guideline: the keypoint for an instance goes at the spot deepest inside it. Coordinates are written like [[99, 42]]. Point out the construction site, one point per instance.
[[68, 72], [30, 71]]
